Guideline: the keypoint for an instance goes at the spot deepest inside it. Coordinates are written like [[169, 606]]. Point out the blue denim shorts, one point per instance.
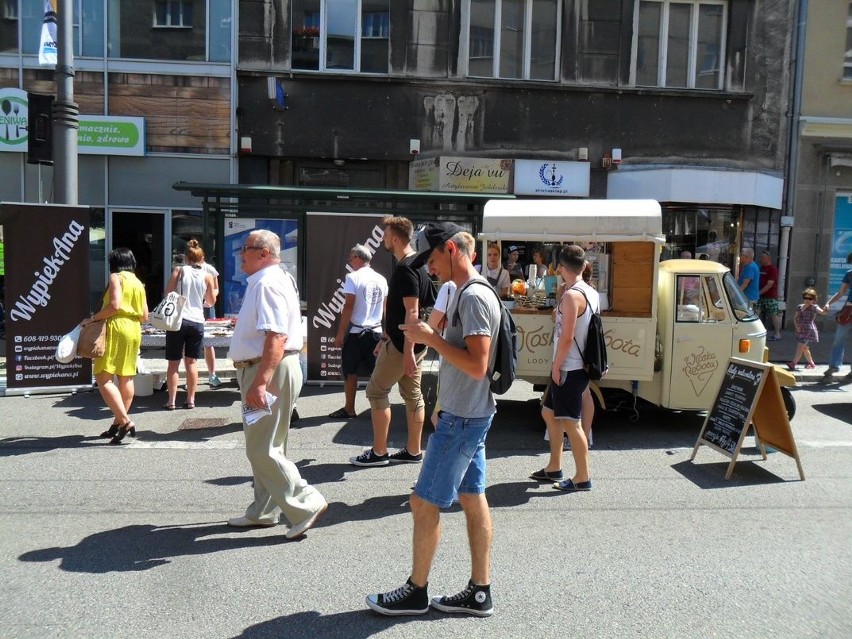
[[454, 460]]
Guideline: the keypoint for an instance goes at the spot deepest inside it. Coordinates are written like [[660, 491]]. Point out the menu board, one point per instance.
[[749, 395], [731, 411]]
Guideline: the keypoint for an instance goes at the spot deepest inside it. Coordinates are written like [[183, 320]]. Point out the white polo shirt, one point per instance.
[[271, 303]]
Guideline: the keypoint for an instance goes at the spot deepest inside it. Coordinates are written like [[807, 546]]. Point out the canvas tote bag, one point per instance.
[[167, 314]]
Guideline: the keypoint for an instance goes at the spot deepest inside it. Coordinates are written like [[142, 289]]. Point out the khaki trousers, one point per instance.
[[278, 486], [390, 370]]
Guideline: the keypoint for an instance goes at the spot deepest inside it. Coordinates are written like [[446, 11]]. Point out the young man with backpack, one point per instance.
[[563, 401], [454, 464]]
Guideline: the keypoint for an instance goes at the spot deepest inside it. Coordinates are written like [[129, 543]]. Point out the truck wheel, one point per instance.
[[789, 402]]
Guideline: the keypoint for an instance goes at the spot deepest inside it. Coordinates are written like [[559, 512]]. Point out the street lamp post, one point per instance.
[[65, 111]]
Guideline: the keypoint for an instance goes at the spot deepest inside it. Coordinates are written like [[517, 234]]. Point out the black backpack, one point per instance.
[[594, 355], [505, 368]]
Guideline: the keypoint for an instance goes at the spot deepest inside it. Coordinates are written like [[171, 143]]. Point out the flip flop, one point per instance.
[[189, 405], [169, 406], [341, 413]]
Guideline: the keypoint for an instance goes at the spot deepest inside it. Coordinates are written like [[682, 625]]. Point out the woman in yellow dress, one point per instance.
[[124, 309]]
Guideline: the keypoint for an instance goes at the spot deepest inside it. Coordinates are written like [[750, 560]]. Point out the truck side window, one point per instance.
[[690, 303], [717, 302]]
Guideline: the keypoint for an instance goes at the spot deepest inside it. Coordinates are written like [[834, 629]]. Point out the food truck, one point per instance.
[[670, 326]]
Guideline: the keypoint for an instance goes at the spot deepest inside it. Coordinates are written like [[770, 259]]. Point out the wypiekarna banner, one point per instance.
[[330, 236], [47, 292]]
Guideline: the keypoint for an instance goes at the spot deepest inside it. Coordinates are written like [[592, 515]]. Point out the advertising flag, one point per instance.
[[47, 46]]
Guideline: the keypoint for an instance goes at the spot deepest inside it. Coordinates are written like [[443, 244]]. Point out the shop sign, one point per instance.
[[111, 135], [552, 177], [460, 175], [97, 135], [423, 174]]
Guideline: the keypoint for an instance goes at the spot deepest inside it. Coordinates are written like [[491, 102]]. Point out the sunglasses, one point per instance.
[[808, 298]]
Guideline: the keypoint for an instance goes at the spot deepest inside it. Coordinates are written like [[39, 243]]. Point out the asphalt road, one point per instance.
[[130, 541]]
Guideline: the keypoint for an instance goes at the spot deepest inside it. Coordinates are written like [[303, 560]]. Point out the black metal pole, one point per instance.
[[65, 111]]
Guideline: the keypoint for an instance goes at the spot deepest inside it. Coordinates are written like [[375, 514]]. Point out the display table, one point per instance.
[[216, 333]]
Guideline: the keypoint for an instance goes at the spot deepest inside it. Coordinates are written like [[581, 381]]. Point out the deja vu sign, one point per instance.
[[47, 292]]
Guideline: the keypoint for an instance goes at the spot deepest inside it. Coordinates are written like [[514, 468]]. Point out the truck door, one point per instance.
[[701, 342]]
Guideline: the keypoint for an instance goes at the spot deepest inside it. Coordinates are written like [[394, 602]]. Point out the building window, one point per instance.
[[173, 13], [192, 30], [847, 59], [514, 39], [10, 9], [341, 35], [679, 43]]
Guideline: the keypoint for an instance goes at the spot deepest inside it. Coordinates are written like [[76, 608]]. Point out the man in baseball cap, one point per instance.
[[430, 237], [454, 463]]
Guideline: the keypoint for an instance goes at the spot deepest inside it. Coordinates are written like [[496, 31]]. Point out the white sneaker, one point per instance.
[[213, 381], [307, 524]]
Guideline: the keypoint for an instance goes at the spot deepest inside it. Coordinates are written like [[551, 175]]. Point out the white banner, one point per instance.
[[47, 46]]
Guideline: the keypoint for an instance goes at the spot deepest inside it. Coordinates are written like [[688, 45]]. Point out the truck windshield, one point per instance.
[[739, 304]]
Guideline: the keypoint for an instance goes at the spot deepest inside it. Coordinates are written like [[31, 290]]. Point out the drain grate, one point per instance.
[[201, 422]]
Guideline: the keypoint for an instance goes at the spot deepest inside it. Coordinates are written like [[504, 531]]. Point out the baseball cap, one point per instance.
[[513, 249], [431, 236]]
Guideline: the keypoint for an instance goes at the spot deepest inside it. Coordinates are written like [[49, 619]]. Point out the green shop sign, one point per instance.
[[109, 135], [98, 134]]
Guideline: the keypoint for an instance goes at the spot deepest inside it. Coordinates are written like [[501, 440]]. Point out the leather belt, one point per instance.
[[246, 363]]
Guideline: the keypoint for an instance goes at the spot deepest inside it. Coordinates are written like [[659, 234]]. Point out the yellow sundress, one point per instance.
[[123, 330]]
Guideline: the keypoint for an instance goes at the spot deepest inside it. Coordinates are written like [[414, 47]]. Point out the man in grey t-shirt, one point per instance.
[[454, 462]]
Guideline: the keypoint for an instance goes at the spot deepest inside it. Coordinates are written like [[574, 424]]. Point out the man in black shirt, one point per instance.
[[399, 360]]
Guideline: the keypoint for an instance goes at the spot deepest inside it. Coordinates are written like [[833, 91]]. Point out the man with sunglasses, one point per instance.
[[265, 349]]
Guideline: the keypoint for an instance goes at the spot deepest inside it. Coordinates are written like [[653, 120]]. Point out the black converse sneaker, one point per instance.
[[408, 599], [402, 456], [369, 458], [473, 600]]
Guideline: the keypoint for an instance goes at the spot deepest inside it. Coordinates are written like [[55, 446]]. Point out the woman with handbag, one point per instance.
[[187, 343], [843, 324], [124, 309]]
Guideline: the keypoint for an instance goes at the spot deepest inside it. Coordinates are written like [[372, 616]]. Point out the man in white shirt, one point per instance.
[[496, 275], [360, 329], [265, 349]]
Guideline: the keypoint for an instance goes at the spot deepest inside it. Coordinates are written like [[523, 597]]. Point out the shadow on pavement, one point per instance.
[[368, 510], [840, 412], [12, 446], [230, 481], [142, 547], [507, 495], [712, 475], [356, 624]]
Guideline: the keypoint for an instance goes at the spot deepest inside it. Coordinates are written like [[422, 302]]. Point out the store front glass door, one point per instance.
[[144, 233]]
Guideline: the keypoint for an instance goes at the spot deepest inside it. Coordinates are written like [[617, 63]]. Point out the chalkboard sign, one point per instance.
[[749, 396], [731, 411]]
